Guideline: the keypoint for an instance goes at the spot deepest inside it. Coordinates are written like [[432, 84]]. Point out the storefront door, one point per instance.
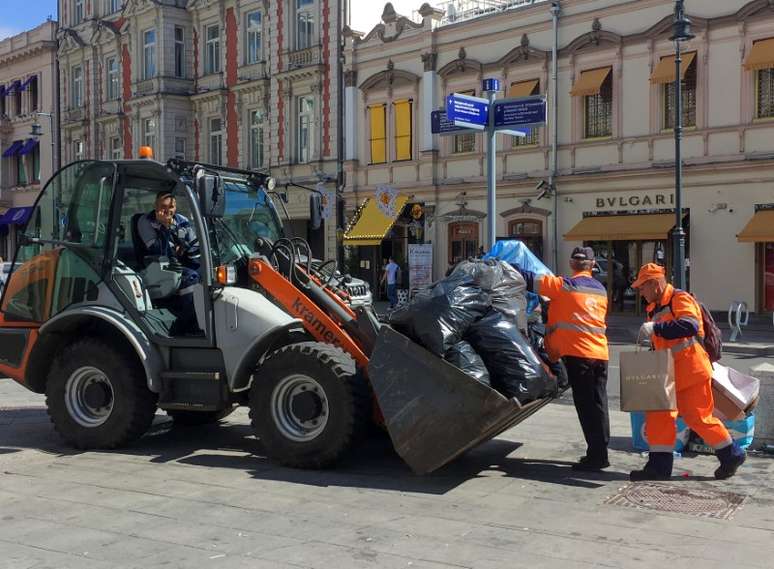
[[529, 232], [768, 277], [463, 241]]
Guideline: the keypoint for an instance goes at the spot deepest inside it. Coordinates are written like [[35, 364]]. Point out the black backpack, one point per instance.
[[713, 337]]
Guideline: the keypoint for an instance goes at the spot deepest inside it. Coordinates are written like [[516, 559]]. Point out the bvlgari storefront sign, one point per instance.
[[635, 202]]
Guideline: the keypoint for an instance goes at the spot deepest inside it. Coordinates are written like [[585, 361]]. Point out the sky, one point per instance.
[[365, 14]]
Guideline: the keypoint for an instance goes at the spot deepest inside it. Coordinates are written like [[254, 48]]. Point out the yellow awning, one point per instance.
[[761, 55], [590, 82], [665, 70], [373, 225], [654, 226], [759, 229], [523, 88]]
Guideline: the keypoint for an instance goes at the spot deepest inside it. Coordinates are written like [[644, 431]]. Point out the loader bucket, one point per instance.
[[433, 411]]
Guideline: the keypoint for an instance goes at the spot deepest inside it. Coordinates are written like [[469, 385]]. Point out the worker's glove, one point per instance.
[[646, 330]]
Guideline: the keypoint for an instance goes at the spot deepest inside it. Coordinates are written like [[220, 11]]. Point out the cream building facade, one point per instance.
[[27, 87], [241, 83], [614, 176]]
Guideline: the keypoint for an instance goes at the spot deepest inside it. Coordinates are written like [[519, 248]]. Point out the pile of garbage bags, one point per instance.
[[475, 318]]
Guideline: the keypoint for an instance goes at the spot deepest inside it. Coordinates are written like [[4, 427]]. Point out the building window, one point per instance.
[[377, 120], [76, 87], [149, 54], [179, 52], [149, 133], [111, 66], [525, 89], [403, 120], [463, 241], [764, 93], [112, 6], [305, 128], [17, 100], [256, 139], [529, 232], [115, 148], [465, 142], [212, 50], [253, 49], [77, 12], [33, 91], [304, 24], [598, 111], [216, 141], [688, 95], [77, 150], [36, 163], [180, 147], [21, 171]]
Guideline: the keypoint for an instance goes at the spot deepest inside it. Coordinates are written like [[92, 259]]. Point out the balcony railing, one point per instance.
[[74, 115], [304, 57]]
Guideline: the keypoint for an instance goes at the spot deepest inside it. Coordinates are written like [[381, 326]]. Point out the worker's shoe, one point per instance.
[[658, 467], [588, 464], [731, 458]]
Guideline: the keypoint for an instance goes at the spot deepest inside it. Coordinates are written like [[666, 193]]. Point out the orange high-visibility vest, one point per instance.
[[692, 364], [576, 317]]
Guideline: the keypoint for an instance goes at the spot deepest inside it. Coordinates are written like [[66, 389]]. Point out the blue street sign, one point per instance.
[[440, 124], [467, 111], [520, 112], [491, 85]]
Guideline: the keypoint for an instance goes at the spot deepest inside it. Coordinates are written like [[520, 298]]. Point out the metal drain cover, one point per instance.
[[700, 502]]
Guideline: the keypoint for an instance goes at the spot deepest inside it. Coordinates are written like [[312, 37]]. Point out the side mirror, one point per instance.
[[209, 188], [595, 269]]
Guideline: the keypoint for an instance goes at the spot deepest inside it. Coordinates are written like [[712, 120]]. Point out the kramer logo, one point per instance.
[[314, 323]]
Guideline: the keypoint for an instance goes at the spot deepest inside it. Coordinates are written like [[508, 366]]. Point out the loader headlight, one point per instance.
[[270, 184]]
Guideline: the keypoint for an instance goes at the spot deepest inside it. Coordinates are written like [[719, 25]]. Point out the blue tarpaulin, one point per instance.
[[517, 253]]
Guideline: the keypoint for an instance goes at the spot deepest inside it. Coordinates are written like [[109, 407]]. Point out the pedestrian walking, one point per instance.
[[675, 323], [390, 277], [576, 333]]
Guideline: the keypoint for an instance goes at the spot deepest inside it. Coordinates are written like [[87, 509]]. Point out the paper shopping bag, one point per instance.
[[648, 381]]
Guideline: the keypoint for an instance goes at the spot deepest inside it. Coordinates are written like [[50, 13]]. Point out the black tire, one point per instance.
[[132, 405], [346, 396], [198, 418]]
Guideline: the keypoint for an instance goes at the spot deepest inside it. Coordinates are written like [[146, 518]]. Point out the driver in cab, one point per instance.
[[165, 233]]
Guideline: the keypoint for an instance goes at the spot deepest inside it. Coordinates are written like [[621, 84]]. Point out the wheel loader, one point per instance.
[[91, 320]]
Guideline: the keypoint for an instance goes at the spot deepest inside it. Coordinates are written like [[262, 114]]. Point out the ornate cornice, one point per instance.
[[429, 60], [461, 65], [389, 77]]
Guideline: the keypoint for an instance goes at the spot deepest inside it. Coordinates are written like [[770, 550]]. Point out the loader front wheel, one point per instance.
[[307, 405], [97, 396]]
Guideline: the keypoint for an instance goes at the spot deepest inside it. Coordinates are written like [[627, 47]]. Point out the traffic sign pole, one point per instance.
[[491, 177]]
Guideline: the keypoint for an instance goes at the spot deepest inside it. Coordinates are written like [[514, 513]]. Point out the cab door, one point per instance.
[[59, 259]]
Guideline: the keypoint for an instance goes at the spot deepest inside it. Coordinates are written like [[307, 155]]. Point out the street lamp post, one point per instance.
[[36, 131], [681, 33]]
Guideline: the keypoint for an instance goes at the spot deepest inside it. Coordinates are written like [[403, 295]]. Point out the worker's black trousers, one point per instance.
[[588, 379]]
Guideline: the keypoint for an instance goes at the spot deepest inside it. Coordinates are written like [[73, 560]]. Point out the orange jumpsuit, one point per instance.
[[680, 329]]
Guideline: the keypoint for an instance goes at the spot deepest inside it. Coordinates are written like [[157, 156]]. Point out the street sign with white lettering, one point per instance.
[[523, 111], [440, 124], [467, 111]]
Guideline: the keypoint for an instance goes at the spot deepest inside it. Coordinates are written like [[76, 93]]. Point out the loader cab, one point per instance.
[[80, 247]]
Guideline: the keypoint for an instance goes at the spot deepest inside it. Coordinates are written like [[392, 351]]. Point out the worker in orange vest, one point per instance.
[[575, 332], [675, 323]]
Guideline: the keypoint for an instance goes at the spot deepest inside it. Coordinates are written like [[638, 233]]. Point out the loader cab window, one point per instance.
[[250, 214], [62, 249]]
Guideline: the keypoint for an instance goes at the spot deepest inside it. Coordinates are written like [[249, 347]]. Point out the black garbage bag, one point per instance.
[[465, 357], [514, 368], [438, 317], [505, 285]]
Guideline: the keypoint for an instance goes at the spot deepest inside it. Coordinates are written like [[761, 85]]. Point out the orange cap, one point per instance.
[[146, 152], [648, 272]]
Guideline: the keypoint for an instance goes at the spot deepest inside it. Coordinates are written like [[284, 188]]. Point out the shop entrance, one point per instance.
[[529, 232], [767, 276], [617, 266]]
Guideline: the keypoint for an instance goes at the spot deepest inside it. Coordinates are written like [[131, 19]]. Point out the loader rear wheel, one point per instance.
[[97, 396], [307, 405]]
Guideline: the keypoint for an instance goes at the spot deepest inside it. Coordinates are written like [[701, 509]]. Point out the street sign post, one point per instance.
[[465, 113]]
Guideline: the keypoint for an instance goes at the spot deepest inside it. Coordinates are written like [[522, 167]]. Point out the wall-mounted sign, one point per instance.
[[635, 201]]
